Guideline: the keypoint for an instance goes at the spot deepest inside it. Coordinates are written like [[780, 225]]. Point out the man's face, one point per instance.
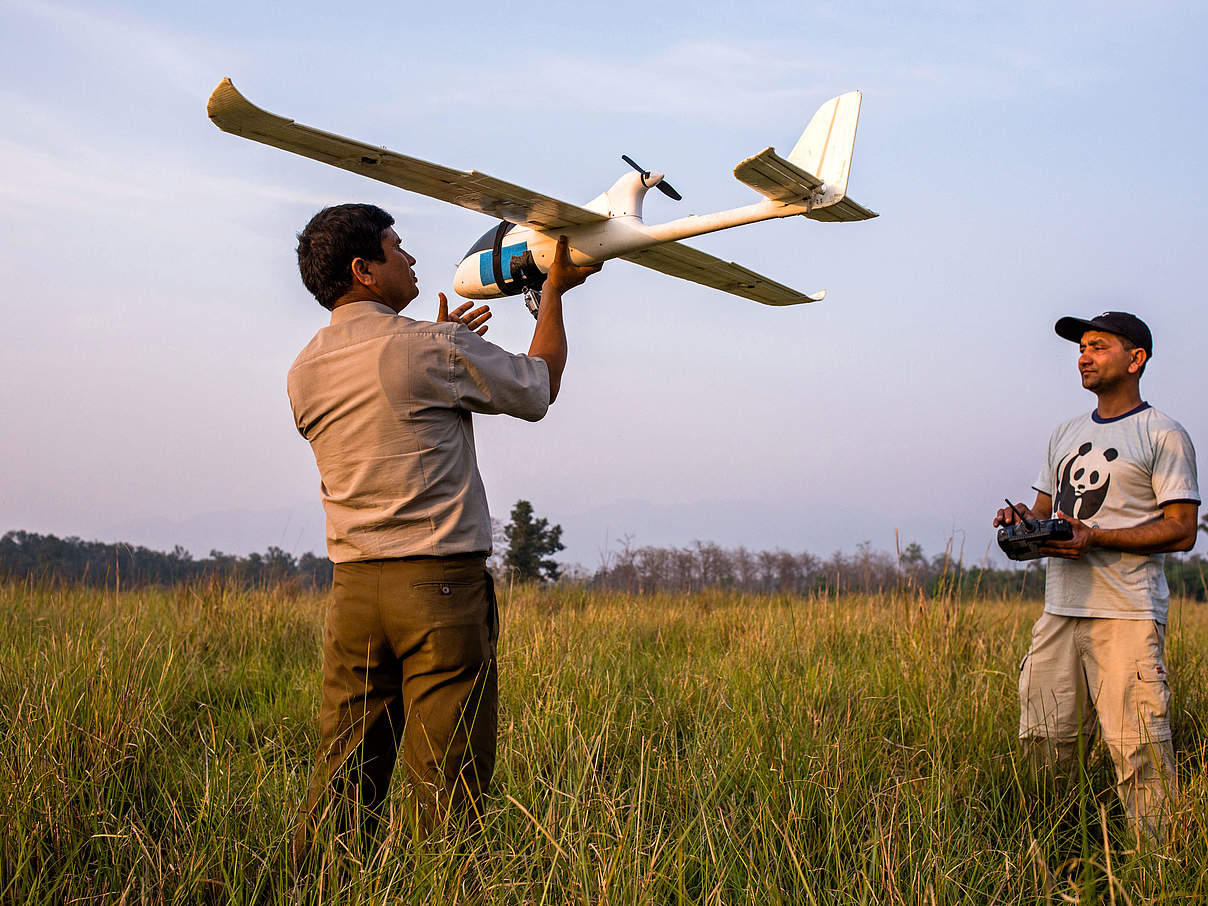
[[395, 281], [1105, 360]]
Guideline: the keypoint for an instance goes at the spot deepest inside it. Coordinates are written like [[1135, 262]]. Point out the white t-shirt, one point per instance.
[[1115, 473]]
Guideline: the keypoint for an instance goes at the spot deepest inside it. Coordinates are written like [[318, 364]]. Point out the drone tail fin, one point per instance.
[[825, 147], [814, 176]]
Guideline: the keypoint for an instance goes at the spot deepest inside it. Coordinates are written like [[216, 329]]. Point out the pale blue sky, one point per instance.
[[1029, 161]]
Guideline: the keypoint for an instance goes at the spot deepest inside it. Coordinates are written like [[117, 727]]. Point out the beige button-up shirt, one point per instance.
[[385, 403]]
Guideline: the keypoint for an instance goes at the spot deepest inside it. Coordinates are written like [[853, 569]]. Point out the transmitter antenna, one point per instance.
[[1028, 524]]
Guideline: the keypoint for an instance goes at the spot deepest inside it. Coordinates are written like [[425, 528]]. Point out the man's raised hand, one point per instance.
[[476, 320]]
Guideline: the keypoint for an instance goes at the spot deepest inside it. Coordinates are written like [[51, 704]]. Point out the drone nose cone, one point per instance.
[[655, 180], [465, 280], [652, 178]]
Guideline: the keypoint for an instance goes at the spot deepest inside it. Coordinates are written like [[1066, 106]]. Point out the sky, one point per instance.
[[1029, 160]]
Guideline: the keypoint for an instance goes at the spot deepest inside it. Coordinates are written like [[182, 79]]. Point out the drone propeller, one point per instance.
[[663, 186]]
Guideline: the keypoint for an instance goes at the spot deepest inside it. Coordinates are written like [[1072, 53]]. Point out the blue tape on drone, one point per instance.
[[486, 273]]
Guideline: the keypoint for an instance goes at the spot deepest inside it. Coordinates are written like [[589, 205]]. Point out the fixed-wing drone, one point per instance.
[[512, 258]]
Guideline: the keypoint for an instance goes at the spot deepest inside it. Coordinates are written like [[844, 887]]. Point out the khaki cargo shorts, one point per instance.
[[1080, 667]]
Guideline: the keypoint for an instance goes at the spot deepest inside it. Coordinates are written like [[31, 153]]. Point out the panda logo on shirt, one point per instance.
[[1085, 479]]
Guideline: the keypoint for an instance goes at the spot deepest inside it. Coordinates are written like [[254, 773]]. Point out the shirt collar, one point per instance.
[[1100, 420], [350, 310]]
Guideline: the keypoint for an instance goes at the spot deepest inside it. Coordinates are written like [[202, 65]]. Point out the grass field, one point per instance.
[[711, 748]]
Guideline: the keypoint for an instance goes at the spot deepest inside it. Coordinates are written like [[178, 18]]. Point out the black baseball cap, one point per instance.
[[1120, 323]]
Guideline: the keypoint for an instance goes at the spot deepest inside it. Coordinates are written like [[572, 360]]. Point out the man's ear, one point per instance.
[[361, 272], [1139, 357]]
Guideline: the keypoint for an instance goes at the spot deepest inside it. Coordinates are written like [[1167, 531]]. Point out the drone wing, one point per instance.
[[233, 113], [680, 260]]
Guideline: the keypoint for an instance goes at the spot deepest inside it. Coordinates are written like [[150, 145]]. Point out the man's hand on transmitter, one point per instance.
[[1008, 516], [1083, 540]]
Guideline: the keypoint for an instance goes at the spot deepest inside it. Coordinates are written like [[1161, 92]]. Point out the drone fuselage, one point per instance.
[[487, 272]]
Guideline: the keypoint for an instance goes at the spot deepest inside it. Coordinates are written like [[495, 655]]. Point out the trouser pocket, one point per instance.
[[492, 611]]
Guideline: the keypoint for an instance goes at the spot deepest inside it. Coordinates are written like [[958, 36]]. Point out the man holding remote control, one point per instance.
[[1124, 477]]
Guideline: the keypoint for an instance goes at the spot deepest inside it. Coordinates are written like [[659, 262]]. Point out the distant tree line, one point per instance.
[[705, 565], [527, 545], [643, 570], [27, 555]]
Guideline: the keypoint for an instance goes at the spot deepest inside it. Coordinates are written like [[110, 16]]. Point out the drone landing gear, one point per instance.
[[532, 300], [530, 277]]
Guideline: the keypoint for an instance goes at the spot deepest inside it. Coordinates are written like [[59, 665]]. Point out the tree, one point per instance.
[[530, 544]]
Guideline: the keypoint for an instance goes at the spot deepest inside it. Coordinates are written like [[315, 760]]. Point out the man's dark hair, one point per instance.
[[330, 242]]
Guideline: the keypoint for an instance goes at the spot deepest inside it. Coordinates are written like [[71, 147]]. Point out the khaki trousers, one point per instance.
[[408, 655], [1079, 669]]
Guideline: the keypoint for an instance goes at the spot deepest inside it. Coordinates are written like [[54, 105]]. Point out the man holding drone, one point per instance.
[[1124, 478], [386, 402]]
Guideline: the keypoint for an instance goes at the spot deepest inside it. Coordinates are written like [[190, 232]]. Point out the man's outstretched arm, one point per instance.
[[549, 336]]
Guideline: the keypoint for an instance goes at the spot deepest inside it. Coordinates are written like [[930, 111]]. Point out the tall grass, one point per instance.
[[711, 748]]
